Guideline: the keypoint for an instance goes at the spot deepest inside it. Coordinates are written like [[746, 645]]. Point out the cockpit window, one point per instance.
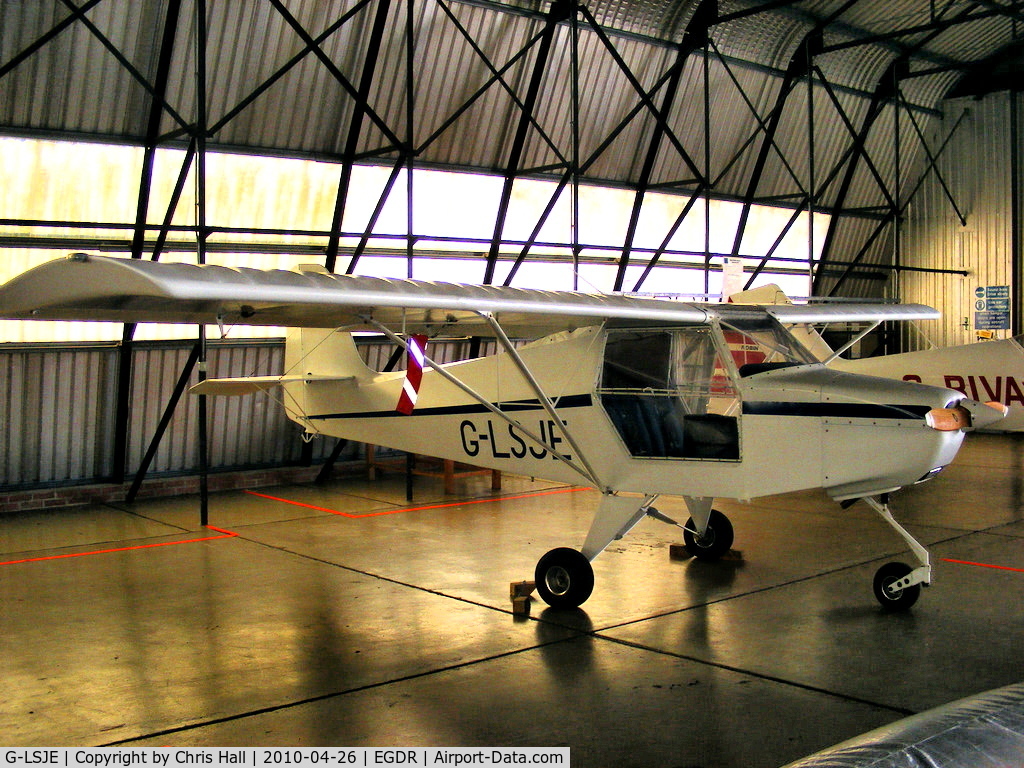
[[637, 361], [669, 394], [763, 342]]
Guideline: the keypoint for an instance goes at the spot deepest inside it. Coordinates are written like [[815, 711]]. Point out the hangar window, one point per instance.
[[293, 202], [669, 394]]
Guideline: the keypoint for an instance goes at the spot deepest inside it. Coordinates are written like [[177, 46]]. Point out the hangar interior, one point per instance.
[[857, 150]]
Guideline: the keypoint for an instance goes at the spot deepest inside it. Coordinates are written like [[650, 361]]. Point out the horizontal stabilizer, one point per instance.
[[245, 385]]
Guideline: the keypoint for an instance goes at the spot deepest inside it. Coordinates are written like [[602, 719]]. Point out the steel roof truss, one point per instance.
[[594, 156], [172, 205], [361, 100], [498, 76], [541, 220], [308, 48], [153, 126], [556, 13], [381, 201], [882, 92], [125, 354], [644, 95], [793, 75], [887, 88], [860, 140], [934, 28], [657, 254], [859, 149], [778, 241], [76, 14], [933, 167], [763, 125], [800, 65], [696, 38], [852, 265], [355, 126], [653, 148], [126, 64], [478, 93]]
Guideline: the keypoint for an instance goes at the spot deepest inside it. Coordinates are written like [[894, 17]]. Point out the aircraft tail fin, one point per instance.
[[317, 362], [319, 352], [312, 356], [764, 294]]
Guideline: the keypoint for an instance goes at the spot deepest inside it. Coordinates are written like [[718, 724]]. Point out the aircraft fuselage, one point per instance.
[[699, 428]]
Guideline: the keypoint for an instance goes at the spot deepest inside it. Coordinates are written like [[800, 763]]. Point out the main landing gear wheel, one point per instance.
[[716, 541], [564, 578], [895, 599]]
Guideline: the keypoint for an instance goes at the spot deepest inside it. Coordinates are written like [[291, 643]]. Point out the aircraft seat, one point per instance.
[[982, 731], [629, 414]]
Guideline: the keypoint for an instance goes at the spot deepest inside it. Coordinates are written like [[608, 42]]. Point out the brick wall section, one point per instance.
[[109, 493]]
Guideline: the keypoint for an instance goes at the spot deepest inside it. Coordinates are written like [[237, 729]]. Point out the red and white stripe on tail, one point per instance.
[[413, 374]]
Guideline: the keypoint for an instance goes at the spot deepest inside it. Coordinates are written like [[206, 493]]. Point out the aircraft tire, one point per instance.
[[895, 601], [564, 578], [715, 542]]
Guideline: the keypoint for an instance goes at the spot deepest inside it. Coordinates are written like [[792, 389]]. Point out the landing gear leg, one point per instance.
[[564, 576], [897, 585]]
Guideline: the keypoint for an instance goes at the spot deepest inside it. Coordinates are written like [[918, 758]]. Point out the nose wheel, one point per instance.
[[564, 578], [898, 585], [894, 589]]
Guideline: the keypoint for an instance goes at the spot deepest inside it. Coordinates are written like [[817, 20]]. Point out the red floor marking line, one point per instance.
[[984, 565], [352, 516], [225, 535], [300, 504]]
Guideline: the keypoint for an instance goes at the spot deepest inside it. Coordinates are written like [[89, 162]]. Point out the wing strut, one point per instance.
[[583, 471], [549, 406], [851, 342]]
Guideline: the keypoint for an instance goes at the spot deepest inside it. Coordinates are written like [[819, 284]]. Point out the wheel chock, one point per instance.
[[519, 593], [520, 606], [678, 552], [521, 589]]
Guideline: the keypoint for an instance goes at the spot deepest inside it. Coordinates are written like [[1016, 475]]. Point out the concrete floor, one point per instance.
[[388, 625]]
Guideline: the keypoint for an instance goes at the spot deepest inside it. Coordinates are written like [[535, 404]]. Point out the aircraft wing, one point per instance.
[[87, 287], [849, 313]]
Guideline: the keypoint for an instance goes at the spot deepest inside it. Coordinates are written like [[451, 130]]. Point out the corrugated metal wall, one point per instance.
[[245, 431], [976, 169], [57, 410]]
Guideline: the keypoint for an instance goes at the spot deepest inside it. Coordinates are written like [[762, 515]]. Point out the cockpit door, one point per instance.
[[670, 395]]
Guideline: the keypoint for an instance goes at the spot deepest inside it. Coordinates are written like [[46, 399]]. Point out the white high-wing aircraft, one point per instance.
[[635, 397]]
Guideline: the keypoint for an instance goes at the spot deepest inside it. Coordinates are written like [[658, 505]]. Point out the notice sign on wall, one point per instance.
[[733, 278], [992, 308]]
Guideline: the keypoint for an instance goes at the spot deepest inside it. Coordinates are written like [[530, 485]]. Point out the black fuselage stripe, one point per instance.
[[774, 408], [836, 410]]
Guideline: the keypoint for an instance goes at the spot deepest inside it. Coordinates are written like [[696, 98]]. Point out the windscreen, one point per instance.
[[763, 342]]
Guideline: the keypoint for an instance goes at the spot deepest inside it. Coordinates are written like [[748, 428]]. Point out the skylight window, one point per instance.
[[276, 213]]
